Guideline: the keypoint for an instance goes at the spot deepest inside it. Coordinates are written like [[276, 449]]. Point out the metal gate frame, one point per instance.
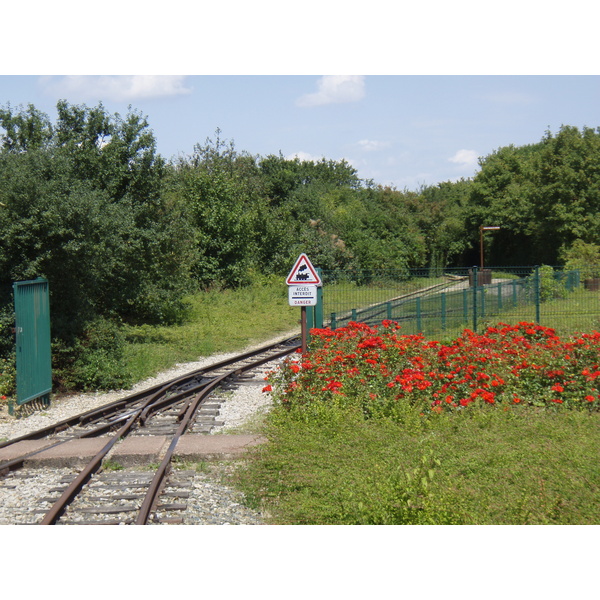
[[32, 329]]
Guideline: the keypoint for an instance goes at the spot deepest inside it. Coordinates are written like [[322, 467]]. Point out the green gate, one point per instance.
[[32, 328]]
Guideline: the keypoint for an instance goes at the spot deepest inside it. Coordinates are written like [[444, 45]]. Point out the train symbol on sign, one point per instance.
[[303, 272], [300, 275]]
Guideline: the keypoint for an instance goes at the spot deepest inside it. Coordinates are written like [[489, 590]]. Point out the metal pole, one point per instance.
[[475, 279], [319, 306], [537, 294]]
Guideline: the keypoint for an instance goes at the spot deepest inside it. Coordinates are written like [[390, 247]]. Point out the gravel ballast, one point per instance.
[[212, 501]]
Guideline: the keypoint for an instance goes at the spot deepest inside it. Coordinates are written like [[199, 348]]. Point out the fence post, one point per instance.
[[333, 324], [537, 293], [475, 278], [482, 296], [419, 327], [319, 306], [443, 311]]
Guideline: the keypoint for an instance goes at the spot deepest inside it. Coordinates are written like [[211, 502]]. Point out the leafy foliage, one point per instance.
[[544, 196], [88, 203], [82, 206]]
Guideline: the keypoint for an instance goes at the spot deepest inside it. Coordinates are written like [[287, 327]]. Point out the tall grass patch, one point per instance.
[[522, 467]]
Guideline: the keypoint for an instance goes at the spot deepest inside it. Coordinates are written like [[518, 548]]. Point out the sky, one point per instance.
[[408, 95], [398, 130]]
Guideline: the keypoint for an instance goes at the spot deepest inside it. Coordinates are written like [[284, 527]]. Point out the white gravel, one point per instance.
[[239, 407], [213, 502]]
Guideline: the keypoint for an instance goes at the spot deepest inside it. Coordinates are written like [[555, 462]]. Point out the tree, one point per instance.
[[566, 190], [501, 196], [283, 176], [544, 196], [86, 210], [440, 213], [221, 190], [24, 130]]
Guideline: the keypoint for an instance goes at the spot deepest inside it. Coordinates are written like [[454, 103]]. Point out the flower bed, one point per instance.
[[382, 372]]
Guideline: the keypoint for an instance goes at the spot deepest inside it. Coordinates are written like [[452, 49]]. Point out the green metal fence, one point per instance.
[[437, 303]]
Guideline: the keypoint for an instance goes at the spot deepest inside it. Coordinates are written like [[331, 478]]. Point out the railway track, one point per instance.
[[98, 494]]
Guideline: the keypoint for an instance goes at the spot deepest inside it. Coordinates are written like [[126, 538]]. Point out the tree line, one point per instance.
[[123, 235]]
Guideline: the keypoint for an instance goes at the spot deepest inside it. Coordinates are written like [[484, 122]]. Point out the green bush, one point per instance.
[[583, 257], [96, 361], [8, 376], [550, 286]]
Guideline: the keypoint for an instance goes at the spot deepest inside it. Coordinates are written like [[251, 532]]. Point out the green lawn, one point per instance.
[[493, 468]]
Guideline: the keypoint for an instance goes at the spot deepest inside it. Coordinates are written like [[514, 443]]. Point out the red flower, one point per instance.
[[333, 386], [267, 388]]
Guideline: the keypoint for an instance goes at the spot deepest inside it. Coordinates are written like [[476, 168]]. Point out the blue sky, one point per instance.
[[425, 88], [401, 130]]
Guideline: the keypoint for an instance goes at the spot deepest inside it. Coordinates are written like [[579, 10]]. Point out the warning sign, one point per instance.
[[302, 295], [303, 273]]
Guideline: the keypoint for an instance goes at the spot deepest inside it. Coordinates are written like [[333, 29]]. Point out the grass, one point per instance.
[[491, 468], [523, 466], [218, 321], [221, 321], [344, 296]]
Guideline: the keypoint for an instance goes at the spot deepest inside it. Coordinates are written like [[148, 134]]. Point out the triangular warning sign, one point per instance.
[[303, 272]]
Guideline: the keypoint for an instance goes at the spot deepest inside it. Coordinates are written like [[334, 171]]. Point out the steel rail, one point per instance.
[[153, 490], [18, 462], [93, 465], [96, 414], [201, 391]]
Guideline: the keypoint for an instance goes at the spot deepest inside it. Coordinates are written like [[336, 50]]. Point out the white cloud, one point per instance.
[[465, 158], [334, 89], [115, 87], [304, 156], [372, 145]]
